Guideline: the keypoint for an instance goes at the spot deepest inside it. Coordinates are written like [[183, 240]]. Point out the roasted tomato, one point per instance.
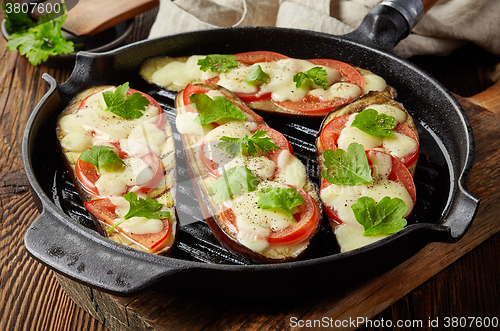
[[307, 217], [331, 131], [104, 210]]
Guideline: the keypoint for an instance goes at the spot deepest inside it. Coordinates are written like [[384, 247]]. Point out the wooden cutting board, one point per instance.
[[90, 17], [159, 311]]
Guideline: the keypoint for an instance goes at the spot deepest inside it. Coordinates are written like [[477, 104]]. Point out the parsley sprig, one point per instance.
[[347, 168], [100, 155], [212, 110], [384, 217], [248, 145], [371, 122], [16, 22], [130, 107], [139, 207], [234, 181], [285, 198], [316, 76], [41, 41], [256, 76], [218, 62]]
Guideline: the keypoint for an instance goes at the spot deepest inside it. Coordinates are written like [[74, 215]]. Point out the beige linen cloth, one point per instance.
[[448, 25]]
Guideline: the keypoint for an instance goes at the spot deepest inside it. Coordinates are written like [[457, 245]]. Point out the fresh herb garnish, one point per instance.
[[234, 181], [212, 110], [139, 207], [385, 217], [256, 76], [100, 155], [371, 122], [285, 198], [248, 145], [315, 75], [130, 107], [41, 41], [16, 22], [218, 62], [347, 168]]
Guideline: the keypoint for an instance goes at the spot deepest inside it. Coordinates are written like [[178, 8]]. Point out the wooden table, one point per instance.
[[31, 297]]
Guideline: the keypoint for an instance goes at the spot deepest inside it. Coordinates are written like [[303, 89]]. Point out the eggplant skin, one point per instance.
[[165, 195], [210, 206], [359, 105]]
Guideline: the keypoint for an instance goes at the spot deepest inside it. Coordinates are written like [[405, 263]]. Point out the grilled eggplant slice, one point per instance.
[[242, 170], [122, 165], [372, 199], [405, 131], [270, 82]]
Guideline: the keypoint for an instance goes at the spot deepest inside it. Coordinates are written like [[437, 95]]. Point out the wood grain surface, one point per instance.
[[32, 296]]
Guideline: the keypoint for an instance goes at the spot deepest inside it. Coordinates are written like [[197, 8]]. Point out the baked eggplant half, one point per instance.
[[255, 195], [270, 82], [367, 153], [118, 147]]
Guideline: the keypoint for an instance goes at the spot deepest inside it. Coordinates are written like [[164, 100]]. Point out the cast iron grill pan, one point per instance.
[[195, 240]]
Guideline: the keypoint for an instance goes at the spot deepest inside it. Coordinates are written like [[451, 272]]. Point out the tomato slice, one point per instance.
[[399, 173], [279, 140], [314, 105], [259, 56], [307, 218], [87, 175], [192, 89], [156, 166], [348, 72], [104, 210], [209, 164], [331, 132]]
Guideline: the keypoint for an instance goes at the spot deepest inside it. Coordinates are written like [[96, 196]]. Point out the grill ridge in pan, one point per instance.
[[195, 240]]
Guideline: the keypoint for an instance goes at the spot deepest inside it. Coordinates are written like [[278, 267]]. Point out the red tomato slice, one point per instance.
[[209, 164], [87, 175], [279, 140], [104, 210], [250, 58], [331, 132], [307, 218], [399, 173], [348, 72], [313, 105], [213, 167], [156, 166], [259, 56], [192, 89]]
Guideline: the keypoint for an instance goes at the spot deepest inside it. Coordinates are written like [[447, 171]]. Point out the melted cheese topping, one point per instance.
[[91, 125], [255, 224], [397, 145], [342, 197], [373, 83], [176, 75], [291, 170]]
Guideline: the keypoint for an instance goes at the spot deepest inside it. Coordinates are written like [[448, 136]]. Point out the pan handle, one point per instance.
[[388, 23], [79, 254]]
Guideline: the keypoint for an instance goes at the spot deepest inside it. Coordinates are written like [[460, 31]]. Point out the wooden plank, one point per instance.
[[90, 17]]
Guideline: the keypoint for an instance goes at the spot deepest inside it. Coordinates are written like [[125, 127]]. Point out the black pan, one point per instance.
[[62, 236]]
